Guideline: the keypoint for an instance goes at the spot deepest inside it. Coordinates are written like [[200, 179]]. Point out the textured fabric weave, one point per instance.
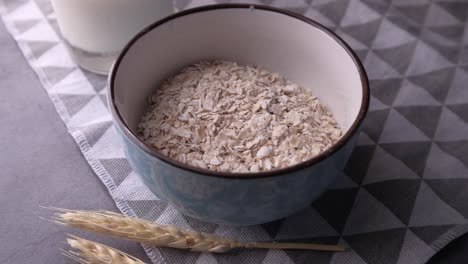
[[403, 195]]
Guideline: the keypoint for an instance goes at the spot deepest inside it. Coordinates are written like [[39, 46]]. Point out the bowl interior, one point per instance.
[[279, 42]]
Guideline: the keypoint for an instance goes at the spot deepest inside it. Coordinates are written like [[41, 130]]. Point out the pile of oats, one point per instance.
[[226, 117]]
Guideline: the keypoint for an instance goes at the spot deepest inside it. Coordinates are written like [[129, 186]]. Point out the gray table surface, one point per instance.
[[40, 165]]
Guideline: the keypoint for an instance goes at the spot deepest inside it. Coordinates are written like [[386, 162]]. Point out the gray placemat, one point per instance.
[[404, 193]]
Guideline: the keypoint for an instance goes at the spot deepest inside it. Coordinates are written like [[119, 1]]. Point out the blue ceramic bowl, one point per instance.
[[296, 47]]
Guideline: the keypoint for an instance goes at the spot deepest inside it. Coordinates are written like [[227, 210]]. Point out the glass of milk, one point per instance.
[[96, 30]]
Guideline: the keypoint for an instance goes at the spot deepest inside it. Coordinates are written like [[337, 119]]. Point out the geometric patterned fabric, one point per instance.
[[404, 193]]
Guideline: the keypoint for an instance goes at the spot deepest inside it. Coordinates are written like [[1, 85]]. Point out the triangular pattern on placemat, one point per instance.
[[56, 74], [333, 10], [386, 90], [458, 92], [11, 5], [398, 57], [441, 165], [273, 256], [133, 189], [461, 110], [96, 80], [361, 53], [379, 6], [429, 209], [364, 140], [93, 132], [413, 249], [425, 118], [370, 215], [375, 104], [200, 226], [170, 216], [22, 10], [108, 146], [74, 103], [54, 23], [430, 233], [451, 127], [384, 166], [38, 48], [398, 129], [463, 59], [444, 35], [358, 13], [416, 56], [24, 25], [415, 12], [91, 112], [413, 154], [358, 163], [437, 83], [348, 256], [343, 181], [397, 195], [437, 16], [319, 17], [45, 6], [355, 44], [311, 256], [411, 94], [73, 83], [296, 6], [456, 148], [335, 206], [452, 32], [147, 209], [374, 123], [253, 256], [457, 9], [206, 258], [390, 35], [56, 57], [305, 224], [381, 247], [103, 97], [243, 233], [39, 32], [403, 22], [119, 167], [272, 228], [453, 191], [378, 68], [406, 3], [443, 46], [427, 61], [177, 256], [364, 33]]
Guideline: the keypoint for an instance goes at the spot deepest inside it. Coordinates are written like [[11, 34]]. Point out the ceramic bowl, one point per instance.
[[298, 48]]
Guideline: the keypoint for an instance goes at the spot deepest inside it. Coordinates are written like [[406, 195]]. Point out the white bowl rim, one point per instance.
[[247, 175]]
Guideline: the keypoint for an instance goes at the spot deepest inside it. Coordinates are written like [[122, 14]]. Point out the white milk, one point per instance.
[[96, 30]]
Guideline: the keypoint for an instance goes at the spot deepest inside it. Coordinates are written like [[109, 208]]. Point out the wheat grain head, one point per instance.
[[90, 252]]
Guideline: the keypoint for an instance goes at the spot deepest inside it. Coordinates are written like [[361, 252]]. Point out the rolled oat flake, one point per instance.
[[226, 117]]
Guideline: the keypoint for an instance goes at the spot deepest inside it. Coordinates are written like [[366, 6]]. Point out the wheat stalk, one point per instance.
[[117, 225], [90, 252]]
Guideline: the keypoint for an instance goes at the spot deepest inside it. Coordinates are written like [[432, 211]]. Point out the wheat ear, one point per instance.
[[90, 252], [117, 225]]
